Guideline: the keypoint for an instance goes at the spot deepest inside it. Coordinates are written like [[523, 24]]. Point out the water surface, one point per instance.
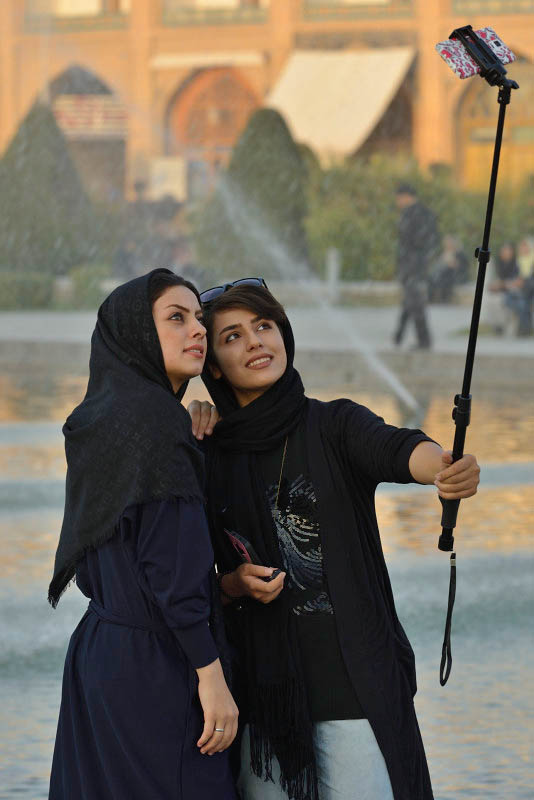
[[476, 730]]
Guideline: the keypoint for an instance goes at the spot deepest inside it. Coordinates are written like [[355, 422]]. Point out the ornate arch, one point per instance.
[[205, 118], [94, 121], [476, 120]]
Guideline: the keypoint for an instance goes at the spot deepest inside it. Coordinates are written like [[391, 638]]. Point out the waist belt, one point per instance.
[[116, 619]]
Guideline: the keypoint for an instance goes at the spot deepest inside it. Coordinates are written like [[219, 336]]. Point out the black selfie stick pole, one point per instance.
[[494, 73]]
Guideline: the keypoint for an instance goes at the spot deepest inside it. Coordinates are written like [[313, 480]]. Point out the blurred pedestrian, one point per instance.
[[525, 262], [184, 259], [418, 243], [451, 270], [124, 259], [510, 284]]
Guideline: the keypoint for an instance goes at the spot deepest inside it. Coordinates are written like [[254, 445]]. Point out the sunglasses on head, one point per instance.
[[210, 294]]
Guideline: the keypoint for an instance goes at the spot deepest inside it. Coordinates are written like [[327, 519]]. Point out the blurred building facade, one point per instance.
[[156, 92]]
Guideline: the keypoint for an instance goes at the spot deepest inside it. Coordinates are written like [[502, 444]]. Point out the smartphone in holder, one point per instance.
[[247, 554], [464, 65]]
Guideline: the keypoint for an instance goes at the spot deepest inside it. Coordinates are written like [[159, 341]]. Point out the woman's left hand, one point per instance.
[[204, 417], [459, 480]]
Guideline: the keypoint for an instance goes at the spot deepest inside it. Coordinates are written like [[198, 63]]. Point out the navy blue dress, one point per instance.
[[130, 715]]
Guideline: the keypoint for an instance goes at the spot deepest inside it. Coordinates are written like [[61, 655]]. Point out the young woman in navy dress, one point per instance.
[[145, 700]]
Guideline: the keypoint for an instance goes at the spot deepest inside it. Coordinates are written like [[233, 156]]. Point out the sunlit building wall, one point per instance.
[[75, 8], [162, 89]]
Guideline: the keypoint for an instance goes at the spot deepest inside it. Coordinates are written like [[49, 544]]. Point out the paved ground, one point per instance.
[[318, 329]]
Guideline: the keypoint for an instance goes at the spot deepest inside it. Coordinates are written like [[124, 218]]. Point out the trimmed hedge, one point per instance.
[[47, 222], [87, 291], [254, 222], [25, 290], [352, 208]]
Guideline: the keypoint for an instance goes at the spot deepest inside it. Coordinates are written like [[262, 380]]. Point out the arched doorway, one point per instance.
[[477, 120], [94, 122], [204, 121]]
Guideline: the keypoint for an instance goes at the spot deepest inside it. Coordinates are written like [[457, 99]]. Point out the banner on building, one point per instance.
[[91, 116]]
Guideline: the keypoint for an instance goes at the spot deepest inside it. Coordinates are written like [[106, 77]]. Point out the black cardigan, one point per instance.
[[350, 451]]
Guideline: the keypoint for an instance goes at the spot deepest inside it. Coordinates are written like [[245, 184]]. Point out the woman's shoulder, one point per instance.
[[169, 509], [169, 503], [339, 407], [342, 419]]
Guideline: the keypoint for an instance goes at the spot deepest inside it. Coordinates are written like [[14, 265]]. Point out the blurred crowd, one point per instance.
[[509, 303], [156, 235], [511, 287], [430, 268]]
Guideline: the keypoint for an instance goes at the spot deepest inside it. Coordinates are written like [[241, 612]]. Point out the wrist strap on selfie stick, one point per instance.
[[494, 73]]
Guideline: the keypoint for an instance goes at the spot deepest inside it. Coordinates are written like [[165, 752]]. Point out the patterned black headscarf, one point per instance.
[[130, 439]]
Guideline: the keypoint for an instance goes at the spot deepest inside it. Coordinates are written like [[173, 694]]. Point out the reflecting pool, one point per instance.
[[476, 729]]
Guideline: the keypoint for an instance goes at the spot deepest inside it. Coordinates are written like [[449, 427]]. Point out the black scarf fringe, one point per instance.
[[61, 582], [67, 575], [278, 711], [280, 727]]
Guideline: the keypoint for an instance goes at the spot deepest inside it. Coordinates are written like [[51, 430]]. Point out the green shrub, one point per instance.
[[254, 222], [25, 290], [87, 291], [352, 208], [47, 222]]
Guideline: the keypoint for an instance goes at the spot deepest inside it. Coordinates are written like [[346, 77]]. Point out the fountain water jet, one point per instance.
[[244, 216]]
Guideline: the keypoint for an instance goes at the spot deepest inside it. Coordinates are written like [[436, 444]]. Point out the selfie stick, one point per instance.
[[493, 71]]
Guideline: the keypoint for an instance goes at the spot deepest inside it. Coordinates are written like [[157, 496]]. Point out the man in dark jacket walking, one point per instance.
[[418, 242]]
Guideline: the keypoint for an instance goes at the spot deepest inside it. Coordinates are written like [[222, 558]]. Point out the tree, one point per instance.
[[47, 222], [254, 222]]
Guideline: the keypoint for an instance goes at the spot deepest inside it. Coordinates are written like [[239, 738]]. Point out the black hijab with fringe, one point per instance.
[[129, 441], [349, 451], [275, 704]]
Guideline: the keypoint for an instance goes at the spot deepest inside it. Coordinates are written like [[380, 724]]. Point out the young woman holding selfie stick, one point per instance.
[[326, 673]]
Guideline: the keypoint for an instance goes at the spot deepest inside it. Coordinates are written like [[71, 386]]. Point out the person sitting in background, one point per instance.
[[525, 262], [452, 269], [509, 282]]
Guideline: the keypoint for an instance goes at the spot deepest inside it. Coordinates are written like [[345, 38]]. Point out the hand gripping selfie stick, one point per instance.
[[493, 71]]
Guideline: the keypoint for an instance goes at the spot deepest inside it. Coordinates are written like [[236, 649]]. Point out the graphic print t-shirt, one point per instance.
[[294, 510]]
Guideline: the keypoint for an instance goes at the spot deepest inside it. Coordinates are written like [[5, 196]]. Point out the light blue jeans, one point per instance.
[[350, 765]]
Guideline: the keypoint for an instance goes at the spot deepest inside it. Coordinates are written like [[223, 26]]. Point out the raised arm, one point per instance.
[[385, 453], [175, 557]]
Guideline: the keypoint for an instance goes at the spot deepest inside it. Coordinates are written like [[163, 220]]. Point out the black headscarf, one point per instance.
[[264, 423], [130, 439], [276, 704]]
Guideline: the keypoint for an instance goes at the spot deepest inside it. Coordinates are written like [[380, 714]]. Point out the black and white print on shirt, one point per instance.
[[297, 528]]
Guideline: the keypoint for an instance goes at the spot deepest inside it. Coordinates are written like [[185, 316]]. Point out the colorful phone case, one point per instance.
[[246, 552], [454, 53]]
